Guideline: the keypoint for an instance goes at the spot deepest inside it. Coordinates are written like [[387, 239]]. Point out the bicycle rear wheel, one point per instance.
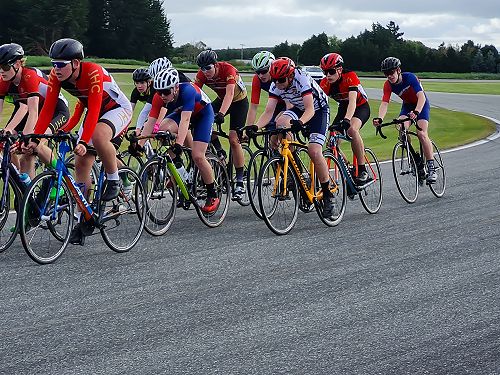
[[9, 212], [45, 236], [371, 195], [278, 204], [122, 219], [439, 186], [405, 172], [222, 189], [255, 165], [338, 192], [161, 197], [132, 161]]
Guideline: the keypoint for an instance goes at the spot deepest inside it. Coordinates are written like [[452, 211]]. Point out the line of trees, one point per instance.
[[365, 52], [137, 29]]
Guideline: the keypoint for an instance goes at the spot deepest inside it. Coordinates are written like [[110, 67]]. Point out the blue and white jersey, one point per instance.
[[303, 84]]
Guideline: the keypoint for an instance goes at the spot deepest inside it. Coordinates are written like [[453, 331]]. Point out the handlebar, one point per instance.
[[395, 121]]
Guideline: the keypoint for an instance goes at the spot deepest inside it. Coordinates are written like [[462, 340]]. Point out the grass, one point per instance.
[[447, 128]]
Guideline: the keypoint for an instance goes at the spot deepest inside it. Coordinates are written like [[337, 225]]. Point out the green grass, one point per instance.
[[447, 128]]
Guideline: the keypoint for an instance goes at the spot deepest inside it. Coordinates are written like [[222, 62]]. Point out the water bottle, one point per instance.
[[25, 178]]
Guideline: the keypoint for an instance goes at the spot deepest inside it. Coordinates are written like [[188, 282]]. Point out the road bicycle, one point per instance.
[[370, 193], [409, 166], [47, 209], [162, 184], [282, 184]]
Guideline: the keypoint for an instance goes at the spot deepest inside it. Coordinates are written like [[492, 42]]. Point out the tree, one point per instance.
[[313, 49], [490, 62], [477, 64], [286, 50]]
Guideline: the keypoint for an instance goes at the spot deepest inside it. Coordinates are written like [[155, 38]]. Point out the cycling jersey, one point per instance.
[[33, 83], [407, 89], [144, 97], [96, 91], [226, 74], [339, 90], [303, 84], [182, 78]]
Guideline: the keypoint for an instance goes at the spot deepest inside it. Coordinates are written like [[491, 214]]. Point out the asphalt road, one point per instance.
[[414, 289]]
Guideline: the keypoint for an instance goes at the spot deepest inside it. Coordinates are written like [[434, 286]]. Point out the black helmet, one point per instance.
[[206, 57], [390, 63], [10, 53], [66, 49], [141, 75]]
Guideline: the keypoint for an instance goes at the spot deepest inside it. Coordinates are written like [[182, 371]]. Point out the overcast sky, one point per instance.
[[257, 23]]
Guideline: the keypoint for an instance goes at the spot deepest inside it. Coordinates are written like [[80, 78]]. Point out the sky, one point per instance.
[[265, 23]]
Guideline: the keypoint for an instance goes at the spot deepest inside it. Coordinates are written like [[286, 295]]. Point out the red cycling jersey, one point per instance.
[[95, 89], [33, 83], [225, 74], [339, 91]]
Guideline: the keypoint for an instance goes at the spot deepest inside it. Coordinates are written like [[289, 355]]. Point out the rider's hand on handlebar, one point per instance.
[[413, 114], [250, 130], [377, 121], [80, 148], [297, 125], [219, 118]]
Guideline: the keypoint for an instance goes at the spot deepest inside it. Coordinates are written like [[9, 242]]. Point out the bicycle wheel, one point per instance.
[[38, 224], [161, 197], [255, 165], [132, 161], [405, 172], [247, 155], [337, 191], [279, 206], [222, 189], [10, 201], [122, 219], [371, 195], [439, 186], [303, 161]]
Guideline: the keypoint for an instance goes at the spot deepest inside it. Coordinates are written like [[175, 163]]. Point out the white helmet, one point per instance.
[[166, 79], [262, 60], [157, 65]]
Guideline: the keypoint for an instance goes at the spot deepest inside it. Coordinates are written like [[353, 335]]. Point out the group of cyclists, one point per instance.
[[174, 103]]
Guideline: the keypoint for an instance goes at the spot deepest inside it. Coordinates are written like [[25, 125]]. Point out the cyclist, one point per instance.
[[28, 88], [192, 107], [108, 113], [415, 105], [224, 79], [142, 92], [344, 87], [309, 108]]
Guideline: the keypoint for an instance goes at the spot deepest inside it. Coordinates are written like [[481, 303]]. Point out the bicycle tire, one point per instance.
[[255, 165], [405, 173], [10, 208], [438, 188], [161, 197], [337, 191], [274, 200], [39, 246], [371, 195], [132, 161], [222, 188], [129, 207]]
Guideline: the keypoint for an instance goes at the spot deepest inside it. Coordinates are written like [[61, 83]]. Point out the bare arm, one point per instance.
[[228, 98], [268, 113]]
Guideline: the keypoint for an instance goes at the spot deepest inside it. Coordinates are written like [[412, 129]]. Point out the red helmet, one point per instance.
[[282, 67], [331, 61]]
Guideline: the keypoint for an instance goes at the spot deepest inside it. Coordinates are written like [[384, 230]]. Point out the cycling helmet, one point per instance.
[[390, 63], [166, 79], [158, 65], [331, 61], [141, 75], [262, 60], [66, 49], [10, 53], [206, 57], [282, 67]]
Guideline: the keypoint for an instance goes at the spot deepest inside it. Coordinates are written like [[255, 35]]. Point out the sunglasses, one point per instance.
[[389, 72], [59, 64], [5, 67], [279, 80], [261, 71], [207, 67], [329, 71], [165, 92]]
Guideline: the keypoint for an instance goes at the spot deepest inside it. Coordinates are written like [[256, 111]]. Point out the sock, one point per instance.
[[325, 187], [211, 190], [112, 176], [239, 174]]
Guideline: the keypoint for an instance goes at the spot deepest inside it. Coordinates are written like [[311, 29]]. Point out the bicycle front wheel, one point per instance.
[[161, 197], [44, 226], [122, 219], [222, 190], [371, 195], [439, 186], [278, 199], [405, 172], [11, 200], [255, 165]]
